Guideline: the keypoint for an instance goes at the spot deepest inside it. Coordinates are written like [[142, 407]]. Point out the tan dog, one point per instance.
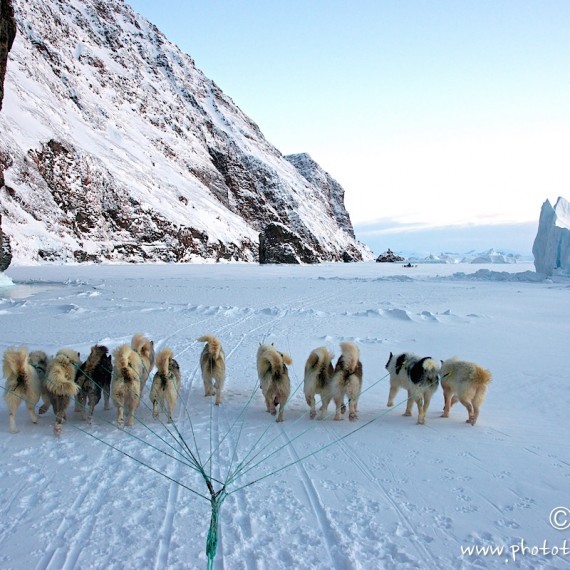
[[165, 384], [346, 380], [213, 365], [24, 373], [419, 376], [126, 383], [145, 349], [274, 378], [318, 373], [464, 381], [60, 384]]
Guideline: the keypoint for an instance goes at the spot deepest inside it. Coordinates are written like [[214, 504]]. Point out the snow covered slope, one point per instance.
[[115, 147]]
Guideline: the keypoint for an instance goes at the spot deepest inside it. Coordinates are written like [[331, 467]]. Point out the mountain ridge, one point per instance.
[[116, 147]]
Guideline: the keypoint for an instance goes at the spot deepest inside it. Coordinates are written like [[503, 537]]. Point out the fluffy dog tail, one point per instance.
[[214, 345], [350, 356], [319, 359], [481, 376], [96, 356], [144, 346], [164, 361], [15, 366], [126, 361], [275, 360], [60, 378]]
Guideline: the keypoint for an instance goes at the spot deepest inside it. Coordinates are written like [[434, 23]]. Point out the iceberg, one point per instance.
[[551, 248]]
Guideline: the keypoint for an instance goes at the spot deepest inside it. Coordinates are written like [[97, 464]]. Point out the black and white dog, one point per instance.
[[419, 376]]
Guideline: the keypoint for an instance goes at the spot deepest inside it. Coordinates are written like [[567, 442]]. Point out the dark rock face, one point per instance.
[[278, 244], [331, 193], [389, 257], [7, 35]]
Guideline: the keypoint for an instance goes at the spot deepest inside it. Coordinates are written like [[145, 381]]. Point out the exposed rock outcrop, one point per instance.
[[389, 257], [7, 35], [278, 244]]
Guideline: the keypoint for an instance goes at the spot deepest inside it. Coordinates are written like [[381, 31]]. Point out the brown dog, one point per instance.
[[213, 366], [274, 378], [346, 380], [318, 373], [60, 386], [24, 373], [165, 384]]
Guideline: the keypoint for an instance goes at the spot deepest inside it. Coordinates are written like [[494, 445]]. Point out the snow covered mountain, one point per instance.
[[115, 146]]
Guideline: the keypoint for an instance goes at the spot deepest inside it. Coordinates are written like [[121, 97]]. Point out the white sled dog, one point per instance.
[[60, 386], [464, 381], [346, 380], [165, 384], [419, 376], [145, 349], [318, 373], [213, 365], [24, 372], [126, 382], [274, 378]]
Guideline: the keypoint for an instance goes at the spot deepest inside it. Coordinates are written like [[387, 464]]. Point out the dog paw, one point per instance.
[[390, 404], [57, 429], [444, 415], [352, 417], [406, 414], [313, 414]]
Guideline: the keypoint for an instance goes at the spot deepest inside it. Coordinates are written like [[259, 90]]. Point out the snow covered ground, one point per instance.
[[381, 492]]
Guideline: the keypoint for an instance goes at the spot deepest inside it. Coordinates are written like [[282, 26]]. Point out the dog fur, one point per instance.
[[60, 386], [418, 375], [346, 381], [213, 365], [465, 382], [274, 378], [145, 349], [318, 373], [24, 372], [94, 378], [126, 383], [165, 384]]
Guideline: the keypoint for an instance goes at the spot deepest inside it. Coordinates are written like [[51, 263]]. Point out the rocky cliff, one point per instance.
[[116, 147]]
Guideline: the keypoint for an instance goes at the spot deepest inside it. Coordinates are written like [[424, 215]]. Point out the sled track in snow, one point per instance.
[[75, 529], [330, 536], [167, 527], [423, 552]]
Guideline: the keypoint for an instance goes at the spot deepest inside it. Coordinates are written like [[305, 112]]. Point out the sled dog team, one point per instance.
[[58, 380]]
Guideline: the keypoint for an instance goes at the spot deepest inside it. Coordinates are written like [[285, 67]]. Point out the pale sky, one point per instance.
[[428, 113]]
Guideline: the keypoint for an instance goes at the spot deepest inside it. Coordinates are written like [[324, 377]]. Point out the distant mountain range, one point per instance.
[[115, 147]]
